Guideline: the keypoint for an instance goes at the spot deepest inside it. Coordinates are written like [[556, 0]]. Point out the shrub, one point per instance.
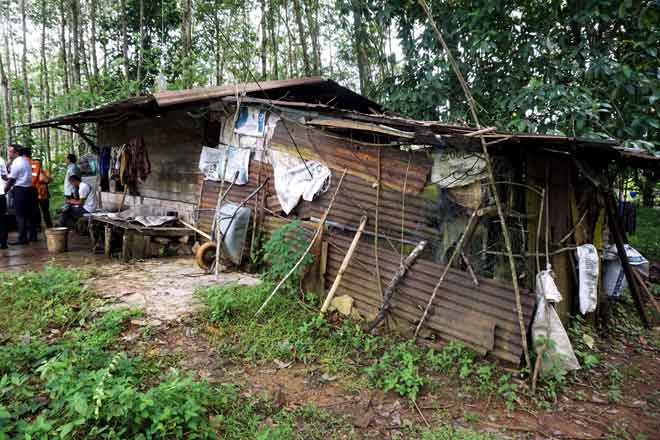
[[398, 370]]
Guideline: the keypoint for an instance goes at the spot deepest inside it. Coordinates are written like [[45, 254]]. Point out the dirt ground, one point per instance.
[[164, 289]]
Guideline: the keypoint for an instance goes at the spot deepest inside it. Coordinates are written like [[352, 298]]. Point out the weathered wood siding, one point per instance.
[[174, 143]]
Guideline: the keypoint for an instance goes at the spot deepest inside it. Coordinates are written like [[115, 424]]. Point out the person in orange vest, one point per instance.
[[34, 218], [43, 196]]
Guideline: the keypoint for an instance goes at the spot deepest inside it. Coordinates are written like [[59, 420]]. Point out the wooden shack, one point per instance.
[[413, 180]]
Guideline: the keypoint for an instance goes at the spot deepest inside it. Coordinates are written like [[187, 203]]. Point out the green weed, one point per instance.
[[450, 433], [398, 370]]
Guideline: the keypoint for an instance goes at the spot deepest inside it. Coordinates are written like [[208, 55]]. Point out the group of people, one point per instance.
[[27, 180]]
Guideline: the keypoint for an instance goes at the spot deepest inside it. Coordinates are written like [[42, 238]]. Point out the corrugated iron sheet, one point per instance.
[[483, 317], [360, 160], [210, 189]]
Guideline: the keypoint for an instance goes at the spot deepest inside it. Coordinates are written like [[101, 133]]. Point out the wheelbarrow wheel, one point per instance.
[[205, 255]]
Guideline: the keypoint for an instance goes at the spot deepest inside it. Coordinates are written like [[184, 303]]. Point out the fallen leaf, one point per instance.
[[281, 365], [588, 340]]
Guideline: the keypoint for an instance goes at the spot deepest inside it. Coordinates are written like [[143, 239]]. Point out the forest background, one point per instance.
[[573, 67]]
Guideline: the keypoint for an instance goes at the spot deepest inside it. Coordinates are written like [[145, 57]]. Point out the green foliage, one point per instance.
[[398, 370], [447, 432], [283, 250], [55, 299], [234, 301], [82, 385], [454, 358], [594, 72], [581, 339], [615, 378], [553, 375], [305, 423], [646, 238]]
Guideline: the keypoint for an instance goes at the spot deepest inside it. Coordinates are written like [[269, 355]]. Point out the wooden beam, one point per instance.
[[618, 234]]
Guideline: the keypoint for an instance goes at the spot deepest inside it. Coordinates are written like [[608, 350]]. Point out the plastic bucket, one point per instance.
[[56, 240]]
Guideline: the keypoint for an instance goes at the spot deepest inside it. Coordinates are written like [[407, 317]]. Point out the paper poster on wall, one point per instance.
[[212, 163], [251, 121], [452, 168]]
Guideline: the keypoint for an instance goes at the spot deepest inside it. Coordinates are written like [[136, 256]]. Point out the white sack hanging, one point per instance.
[[588, 270], [548, 325]]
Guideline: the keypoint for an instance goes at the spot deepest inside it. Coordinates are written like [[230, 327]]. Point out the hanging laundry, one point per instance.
[[139, 166]]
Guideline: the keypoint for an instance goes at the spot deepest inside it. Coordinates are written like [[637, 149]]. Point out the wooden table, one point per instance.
[[135, 238]]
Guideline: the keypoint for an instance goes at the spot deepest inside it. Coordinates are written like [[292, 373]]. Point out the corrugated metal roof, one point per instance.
[[315, 90]]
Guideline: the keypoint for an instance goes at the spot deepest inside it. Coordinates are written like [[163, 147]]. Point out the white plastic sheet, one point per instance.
[[548, 325], [212, 163], [293, 180], [614, 277], [588, 270]]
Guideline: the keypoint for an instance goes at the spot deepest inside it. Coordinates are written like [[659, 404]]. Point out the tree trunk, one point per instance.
[[6, 95], [75, 33], [186, 27], [24, 63], [45, 86], [65, 67], [140, 48], [218, 52], [264, 41], [290, 71], [124, 37], [311, 11], [5, 76], [92, 38], [273, 36], [359, 36], [83, 51], [301, 35]]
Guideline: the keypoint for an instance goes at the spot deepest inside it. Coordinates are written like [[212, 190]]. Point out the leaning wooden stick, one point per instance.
[[309, 248], [491, 179], [391, 288], [457, 250], [344, 265]]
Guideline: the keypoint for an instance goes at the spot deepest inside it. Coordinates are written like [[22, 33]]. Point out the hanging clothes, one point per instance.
[[139, 166]]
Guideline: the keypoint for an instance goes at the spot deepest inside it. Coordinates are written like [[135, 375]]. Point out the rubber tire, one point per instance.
[[205, 255]]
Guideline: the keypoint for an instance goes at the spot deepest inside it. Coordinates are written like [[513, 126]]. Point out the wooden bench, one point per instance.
[[135, 239]]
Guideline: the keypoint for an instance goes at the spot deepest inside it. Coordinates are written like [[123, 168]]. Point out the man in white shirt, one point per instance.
[[19, 182], [71, 170], [3, 205], [76, 208]]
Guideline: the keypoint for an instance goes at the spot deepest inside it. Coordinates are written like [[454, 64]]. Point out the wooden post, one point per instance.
[[618, 235], [344, 265], [107, 246], [309, 247], [124, 246]]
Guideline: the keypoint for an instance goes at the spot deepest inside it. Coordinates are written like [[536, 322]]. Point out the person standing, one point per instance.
[[76, 208], [20, 183], [3, 205], [71, 170], [35, 218], [43, 196]]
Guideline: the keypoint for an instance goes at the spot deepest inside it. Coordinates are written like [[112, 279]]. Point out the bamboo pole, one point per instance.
[[457, 250], [491, 178], [311, 244], [344, 265]]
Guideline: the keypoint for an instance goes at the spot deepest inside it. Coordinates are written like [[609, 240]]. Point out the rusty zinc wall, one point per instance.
[[174, 143]]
